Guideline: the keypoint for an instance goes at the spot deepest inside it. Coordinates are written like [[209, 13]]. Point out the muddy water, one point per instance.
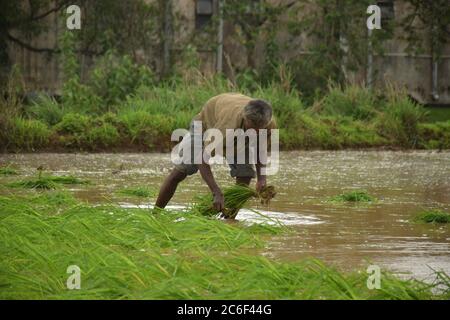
[[348, 236]]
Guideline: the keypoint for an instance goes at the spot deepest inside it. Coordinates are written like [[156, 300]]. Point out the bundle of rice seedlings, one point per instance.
[[46, 182], [433, 216], [235, 199], [142, 192], [39, 183], [354, 196]]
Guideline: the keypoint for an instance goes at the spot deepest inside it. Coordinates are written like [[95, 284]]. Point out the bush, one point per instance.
[[306, 131], [353, 101], [435, 135], [105, 135], [433, 216], [400, 120], [47, 110], [28, 134], [74, 123], [148, 129], [114, 78]]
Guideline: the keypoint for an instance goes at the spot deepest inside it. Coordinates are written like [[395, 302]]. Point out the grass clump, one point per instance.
[[39, 183], [8, 171], [66, 180], [354, 196], [433, 216], [131, 254], [143, 192], [46, 182]]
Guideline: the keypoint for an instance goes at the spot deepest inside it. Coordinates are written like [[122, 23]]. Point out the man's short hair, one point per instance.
[[258, 112]]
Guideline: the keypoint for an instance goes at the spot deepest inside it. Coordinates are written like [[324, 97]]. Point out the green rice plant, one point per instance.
[[46, 182], [235, 198], [39, 183], [130, 254], [143, 192], [8, 171], [66, 180], [433, 216], [354, 196]]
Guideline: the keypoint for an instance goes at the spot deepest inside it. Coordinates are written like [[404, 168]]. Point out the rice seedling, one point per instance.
[[8, 171], [130, 254], [66, 180], [143, 192], [39, 183], [433, 216], [46, 182], [235, 199], [354, 196]]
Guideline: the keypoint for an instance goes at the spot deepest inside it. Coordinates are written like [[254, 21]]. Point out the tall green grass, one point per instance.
[[46, 182], [360, 196], [344, 117], [132, 254]]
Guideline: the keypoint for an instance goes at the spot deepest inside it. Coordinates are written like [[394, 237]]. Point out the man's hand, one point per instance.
[[219, 201], [261, 183]]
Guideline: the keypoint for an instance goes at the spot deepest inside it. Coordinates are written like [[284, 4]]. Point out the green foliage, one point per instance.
[[147, 129], [342, 45], [434, 20], [143, 192], [235, 198], [433, 216], [400, 120], [110, 82], [131, 254], [39, 183], [77, 130], [352, 101], [114, 78], [46, 182], [47, 110], [435, 135], [354, 196], [28, 134], [8, 171]]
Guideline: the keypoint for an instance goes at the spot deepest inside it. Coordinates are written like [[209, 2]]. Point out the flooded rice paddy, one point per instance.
[[348, 236]]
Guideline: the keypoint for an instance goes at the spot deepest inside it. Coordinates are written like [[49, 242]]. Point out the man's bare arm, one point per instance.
[[207, 175]]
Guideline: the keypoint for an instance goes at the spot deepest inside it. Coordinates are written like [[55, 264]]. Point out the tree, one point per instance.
[[434, 17]]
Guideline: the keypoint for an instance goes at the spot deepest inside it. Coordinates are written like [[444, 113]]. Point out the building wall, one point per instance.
[[42, 71]]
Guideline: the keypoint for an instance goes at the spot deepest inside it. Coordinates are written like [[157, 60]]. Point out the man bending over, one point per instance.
[[222, 112]]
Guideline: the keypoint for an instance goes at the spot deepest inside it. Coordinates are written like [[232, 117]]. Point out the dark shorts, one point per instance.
[[236, 170]]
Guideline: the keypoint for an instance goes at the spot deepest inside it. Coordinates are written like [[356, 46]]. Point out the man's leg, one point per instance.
[[244, 181], [168, 187]]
